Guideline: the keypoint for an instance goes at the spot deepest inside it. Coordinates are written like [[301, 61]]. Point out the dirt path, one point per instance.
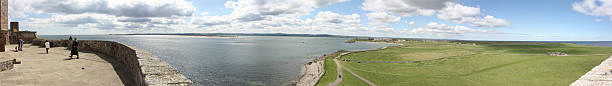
[[340, 67]]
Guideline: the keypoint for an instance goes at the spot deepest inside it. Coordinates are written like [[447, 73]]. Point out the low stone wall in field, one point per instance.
[[143, 68]]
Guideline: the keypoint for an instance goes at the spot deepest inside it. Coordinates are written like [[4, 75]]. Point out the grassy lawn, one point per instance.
[[417, 51], [496, 64], [349, 80]]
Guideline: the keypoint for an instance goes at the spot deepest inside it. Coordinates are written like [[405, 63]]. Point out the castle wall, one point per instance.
[[4, 15], [4, 35], [14, 26], [26, 36]]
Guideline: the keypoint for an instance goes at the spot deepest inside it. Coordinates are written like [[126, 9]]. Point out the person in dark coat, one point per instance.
[[70, 38], [74, 49]]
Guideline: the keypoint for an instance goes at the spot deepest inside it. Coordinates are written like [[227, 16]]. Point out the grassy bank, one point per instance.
[[466, 64], [330, 73]]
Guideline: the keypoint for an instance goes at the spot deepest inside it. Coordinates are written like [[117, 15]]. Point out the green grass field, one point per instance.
[[330, 72], [453, 64]]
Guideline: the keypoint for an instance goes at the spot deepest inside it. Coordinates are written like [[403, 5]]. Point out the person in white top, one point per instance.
[[47, 45]]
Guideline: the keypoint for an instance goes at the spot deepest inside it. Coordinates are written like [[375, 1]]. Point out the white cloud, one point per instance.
[[381, 19], [120, 8], [211, 20], [98, 22], [594, 7], [449, 10], [324, 22], [103, 15], [204, 13], [406, 8], [458, 13], [442, 30], [410, 23], [331, 17], [255, 10]]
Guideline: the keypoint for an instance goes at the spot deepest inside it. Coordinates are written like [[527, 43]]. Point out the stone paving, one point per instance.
[[56, 69]]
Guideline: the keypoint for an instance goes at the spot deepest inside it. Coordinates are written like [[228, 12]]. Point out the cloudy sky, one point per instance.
[[551, 20]]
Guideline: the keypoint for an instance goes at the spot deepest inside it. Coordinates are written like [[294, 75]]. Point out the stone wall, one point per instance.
[[144, 68], [26, 36], [6, 64], [4, 15], [14, 26], [600, 75], [3, 24]]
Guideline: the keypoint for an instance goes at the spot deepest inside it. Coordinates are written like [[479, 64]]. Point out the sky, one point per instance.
[[500, 20]]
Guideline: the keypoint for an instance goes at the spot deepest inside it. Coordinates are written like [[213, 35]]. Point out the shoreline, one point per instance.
[[311, 74]]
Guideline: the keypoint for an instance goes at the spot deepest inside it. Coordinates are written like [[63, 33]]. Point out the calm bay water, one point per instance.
[[245, 60], [596, 43]]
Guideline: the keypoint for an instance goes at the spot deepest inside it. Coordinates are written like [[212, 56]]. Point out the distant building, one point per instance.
[[398, 41], [15, 34], [382, 39], [14, 27]]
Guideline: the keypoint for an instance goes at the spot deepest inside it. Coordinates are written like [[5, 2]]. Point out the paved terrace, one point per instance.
[[55, 68]]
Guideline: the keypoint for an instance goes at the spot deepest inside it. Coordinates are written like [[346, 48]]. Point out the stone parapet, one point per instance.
[[600, 75], [144, 68], [6, 64]]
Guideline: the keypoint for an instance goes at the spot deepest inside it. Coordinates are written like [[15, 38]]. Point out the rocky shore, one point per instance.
[[312, 73]]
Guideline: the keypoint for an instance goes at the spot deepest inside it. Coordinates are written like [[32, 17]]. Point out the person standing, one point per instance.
[[20, 45], [47, 45], [70, 38], [74, 49]]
